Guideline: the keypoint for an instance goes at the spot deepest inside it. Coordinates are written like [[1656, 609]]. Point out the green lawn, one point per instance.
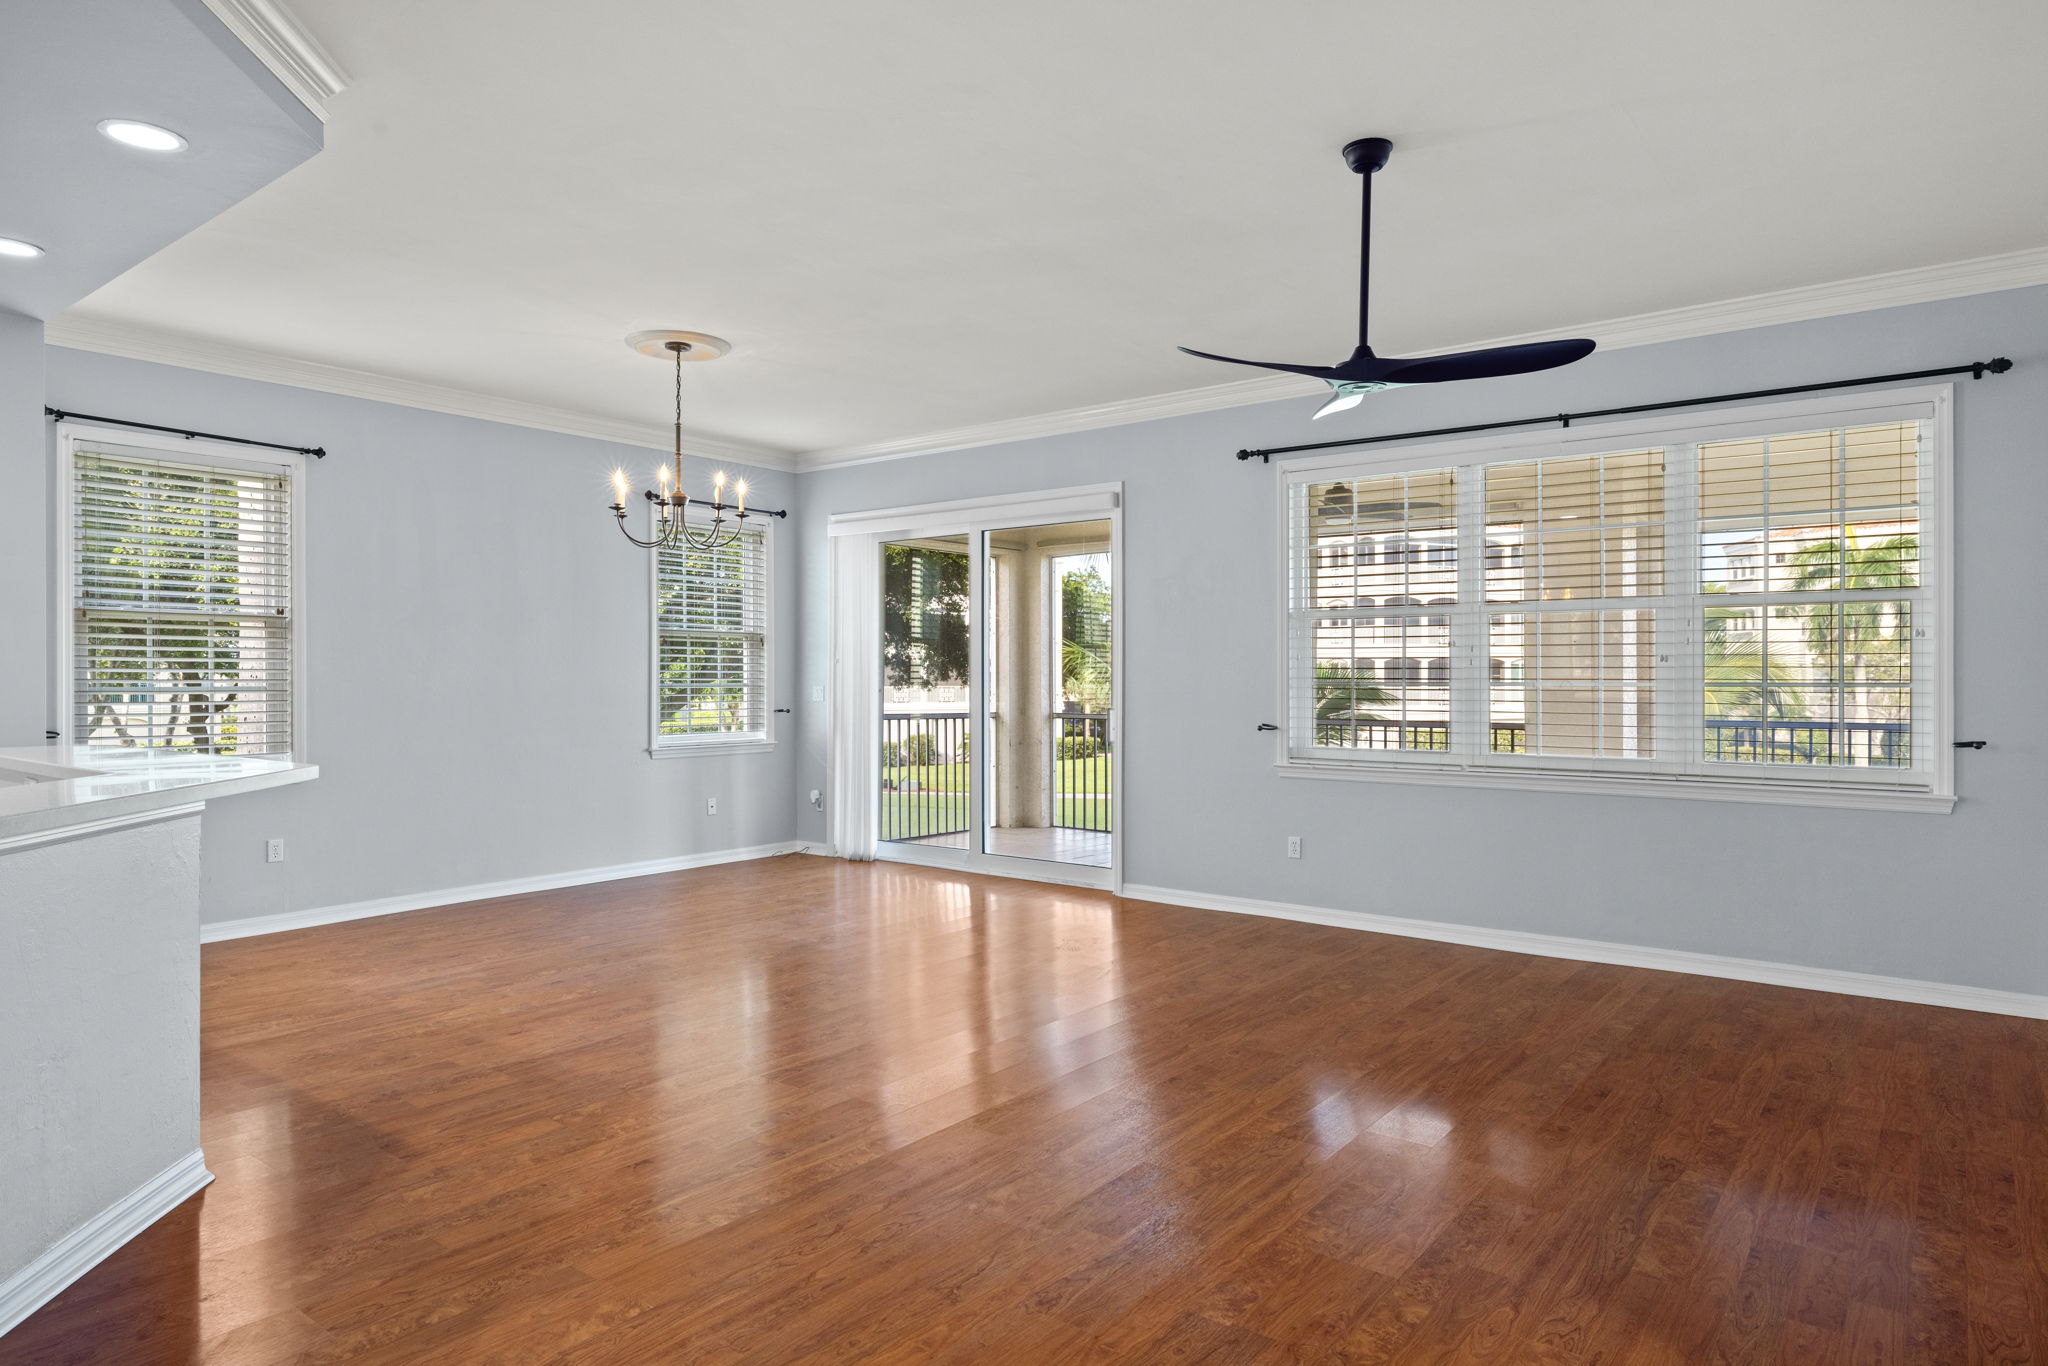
[[913, 815], [940, 804]]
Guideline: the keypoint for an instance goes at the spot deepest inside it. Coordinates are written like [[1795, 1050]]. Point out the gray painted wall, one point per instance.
[[477, 658], [99, 1008], [24, 533], [1954, 898], [478, 664]]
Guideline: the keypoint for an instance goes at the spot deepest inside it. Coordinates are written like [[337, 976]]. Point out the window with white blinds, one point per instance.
[[711, 645], [181, 620], [1740, 600]]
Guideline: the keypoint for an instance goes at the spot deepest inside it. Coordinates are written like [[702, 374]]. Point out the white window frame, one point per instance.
[[1680, 433], [71, 436], [661, 746]]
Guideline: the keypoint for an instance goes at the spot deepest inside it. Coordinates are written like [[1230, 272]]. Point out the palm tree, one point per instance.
[[1868, 638], [1743, 682], [1843, 565], [1341, 696], [1085, 637]]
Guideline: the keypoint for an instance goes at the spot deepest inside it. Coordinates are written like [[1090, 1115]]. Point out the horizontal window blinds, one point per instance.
[[1752, 608], [711, 622], [181, 604]]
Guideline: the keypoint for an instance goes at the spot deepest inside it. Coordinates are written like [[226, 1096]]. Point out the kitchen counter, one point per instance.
[[46, 789]]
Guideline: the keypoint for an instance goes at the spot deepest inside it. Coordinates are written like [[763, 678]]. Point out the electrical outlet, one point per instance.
[[817, 799], [1294, 846], [273, 851], [711, 806]]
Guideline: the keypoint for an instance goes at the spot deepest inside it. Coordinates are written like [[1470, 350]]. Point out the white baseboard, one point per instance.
[[86, 1246], [481, 891], [1625, 955]]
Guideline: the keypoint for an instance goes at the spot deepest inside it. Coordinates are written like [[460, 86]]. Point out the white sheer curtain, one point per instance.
[[856, 597]]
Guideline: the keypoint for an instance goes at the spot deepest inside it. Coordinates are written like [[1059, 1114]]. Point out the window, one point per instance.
[[1748, 603], [711, 647], [181, 614]]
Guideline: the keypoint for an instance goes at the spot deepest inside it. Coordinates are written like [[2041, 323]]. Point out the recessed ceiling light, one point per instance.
[[14, 246], [147, 136]]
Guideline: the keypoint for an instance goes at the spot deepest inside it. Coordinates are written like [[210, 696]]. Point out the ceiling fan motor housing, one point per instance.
[[1367, 155]]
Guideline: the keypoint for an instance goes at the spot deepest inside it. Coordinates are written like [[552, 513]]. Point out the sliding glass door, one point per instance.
[[1049, 771], [927, 788], [997, 725]]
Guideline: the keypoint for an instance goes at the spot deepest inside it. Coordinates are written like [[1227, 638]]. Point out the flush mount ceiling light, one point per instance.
[[147, 136], [1364, 373], [14, 246], [673, 530]]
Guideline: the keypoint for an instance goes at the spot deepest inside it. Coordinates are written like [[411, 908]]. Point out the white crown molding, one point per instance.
[[1950, 995], [1862, 294], [1179, 403], [220, 358], [86, 1246], [218, 930], [1924, 284], [282, 43]]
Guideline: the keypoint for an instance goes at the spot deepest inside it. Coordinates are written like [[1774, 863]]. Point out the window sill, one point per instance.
[[1686, 789], [688, 749]]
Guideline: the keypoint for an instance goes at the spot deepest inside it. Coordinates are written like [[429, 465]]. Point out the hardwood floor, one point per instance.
[[808, 1111], [1055, 844]]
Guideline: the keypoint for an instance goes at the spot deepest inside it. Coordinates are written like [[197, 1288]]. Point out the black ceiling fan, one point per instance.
[[1364, 373]]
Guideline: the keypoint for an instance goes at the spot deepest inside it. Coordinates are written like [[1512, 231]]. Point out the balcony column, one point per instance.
[[1023, 702]]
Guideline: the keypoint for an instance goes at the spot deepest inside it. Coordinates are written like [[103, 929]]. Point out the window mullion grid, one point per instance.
[[1681, 659], [1679, 613], [1301, 624], [220, 536], [728, 613], [1928, 631], [1471, 646]]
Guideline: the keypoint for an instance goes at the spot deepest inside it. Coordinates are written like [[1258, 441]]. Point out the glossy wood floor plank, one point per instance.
[[806, 1111]]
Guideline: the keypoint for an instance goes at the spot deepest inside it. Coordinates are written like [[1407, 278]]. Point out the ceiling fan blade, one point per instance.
[[1342, 396], [1318, 371], [1490, 363]]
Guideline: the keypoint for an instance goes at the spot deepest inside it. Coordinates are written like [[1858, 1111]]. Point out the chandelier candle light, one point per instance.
[[673, 529]]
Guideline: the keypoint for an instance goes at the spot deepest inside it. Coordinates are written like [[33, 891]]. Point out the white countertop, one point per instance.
[[46, 788]]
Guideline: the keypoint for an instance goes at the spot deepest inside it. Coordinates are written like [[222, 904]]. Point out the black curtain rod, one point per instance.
[[1976, 369], [59, 415]]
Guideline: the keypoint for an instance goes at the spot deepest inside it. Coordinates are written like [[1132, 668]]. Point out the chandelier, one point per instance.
[[674, 529]]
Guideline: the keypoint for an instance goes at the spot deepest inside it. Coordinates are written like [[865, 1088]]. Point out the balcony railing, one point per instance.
[[926, 779], [925, 782], [1503, 737], [1875, 744], [1081, 771]]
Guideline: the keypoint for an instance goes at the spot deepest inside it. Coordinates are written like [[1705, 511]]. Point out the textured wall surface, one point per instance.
[[99, 1018]]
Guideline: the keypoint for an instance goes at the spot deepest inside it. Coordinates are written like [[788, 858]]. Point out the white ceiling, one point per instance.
[[911, 215]]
